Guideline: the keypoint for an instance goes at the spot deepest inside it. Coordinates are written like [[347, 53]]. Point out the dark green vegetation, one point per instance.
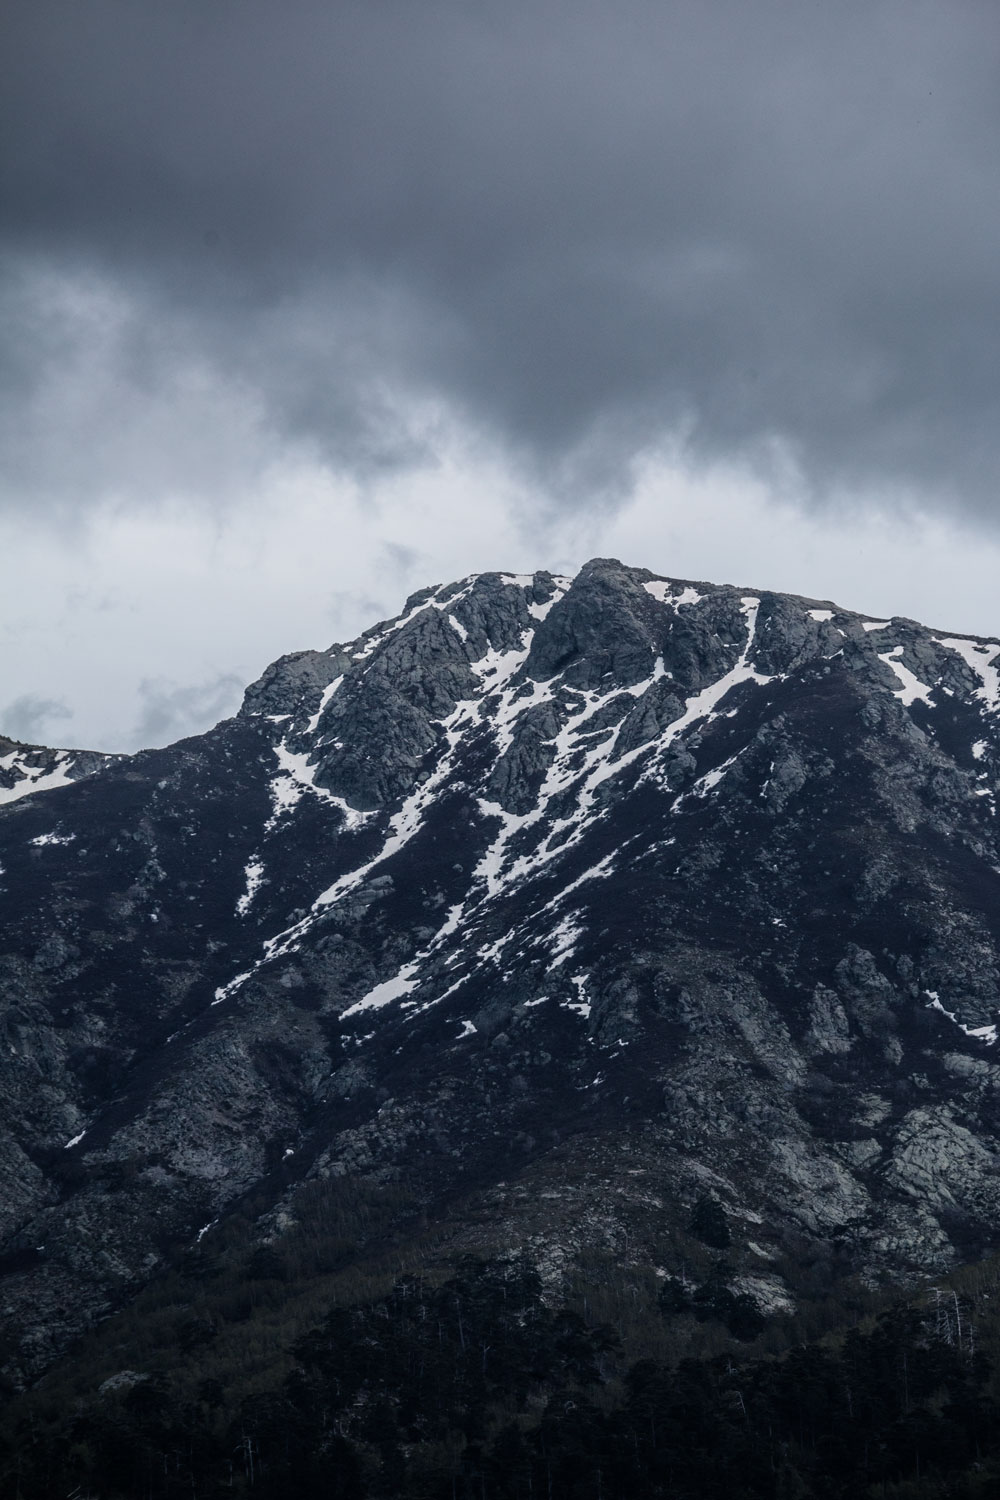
[[475, 1384]]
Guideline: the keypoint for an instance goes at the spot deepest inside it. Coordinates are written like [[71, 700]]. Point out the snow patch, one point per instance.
[[539, 611], [820, 614], [512, 703], [582, 761], [581, 1005], [600, 871], [254, 874], [496, 668], [34, 778], [661, 589], [987, 1034], [703, 705], [297, 776], [372, 645], [403, 983], [563, 939], [383, 994], [450, 924], [710, 780], [980, 657], [52, 838], [875, 624], [913, 690], [225, 990], [564, 772], [328, 693], [599, 764]]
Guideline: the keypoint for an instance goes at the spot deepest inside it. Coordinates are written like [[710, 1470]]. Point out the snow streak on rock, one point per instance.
[[661, 589], [582, 753], [987, 1034], [913, 690], [704, 705], [631, 846], [566, 806], [296, 776], [254, 877], [328, 693], [980, 656]]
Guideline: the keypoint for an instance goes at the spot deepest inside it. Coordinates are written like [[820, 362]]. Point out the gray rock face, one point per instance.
[[293, 681], [562, 900]]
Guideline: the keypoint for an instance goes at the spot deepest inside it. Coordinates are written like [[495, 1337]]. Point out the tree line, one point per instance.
[[476, 1388]]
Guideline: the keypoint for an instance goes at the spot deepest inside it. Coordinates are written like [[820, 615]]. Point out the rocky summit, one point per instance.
[[549, 911]]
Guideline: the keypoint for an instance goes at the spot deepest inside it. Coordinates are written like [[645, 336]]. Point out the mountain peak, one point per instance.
[[540, 875]]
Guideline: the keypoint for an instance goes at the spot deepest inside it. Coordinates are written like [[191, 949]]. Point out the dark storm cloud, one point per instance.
[[770, 226]]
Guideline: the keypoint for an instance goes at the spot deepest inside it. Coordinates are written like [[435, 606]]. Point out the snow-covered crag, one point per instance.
[[559, 901], [26, 769]]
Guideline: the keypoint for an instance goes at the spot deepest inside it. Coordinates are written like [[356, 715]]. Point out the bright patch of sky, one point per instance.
[[188, 602]]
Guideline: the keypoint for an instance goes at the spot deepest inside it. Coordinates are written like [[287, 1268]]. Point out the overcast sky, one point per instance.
[[306, 305]]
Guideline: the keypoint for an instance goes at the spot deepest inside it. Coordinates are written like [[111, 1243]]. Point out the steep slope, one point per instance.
[[563, 902]]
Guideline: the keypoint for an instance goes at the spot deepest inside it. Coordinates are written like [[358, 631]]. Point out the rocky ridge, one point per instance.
[[26, 769], [560, 901]]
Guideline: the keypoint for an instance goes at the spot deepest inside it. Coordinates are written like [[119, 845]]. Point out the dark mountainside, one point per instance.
[[619, 949]]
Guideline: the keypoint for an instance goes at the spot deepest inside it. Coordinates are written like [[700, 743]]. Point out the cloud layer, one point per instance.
[[33, 719], [307, 305], [240, 232]]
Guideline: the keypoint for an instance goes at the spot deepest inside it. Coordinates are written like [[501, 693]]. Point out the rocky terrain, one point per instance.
[[26, 769], [554, 906]]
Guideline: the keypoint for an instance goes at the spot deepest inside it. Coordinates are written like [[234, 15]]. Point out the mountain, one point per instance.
[[548, 916]]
